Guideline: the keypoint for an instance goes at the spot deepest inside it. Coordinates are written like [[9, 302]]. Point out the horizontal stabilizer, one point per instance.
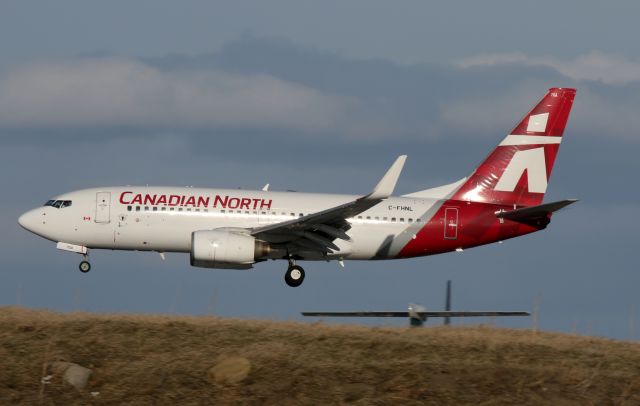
[[535, 215], [409, 314]]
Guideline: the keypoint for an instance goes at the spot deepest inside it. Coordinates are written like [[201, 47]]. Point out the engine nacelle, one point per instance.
[[226, 249]]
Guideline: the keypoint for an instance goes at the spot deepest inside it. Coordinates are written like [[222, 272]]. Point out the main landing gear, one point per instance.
[[294, 275], [84, 266]]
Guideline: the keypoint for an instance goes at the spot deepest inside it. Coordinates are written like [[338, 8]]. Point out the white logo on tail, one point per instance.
[[531, 160], [538, 122]]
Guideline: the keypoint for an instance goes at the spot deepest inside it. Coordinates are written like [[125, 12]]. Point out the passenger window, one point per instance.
[[146, 208], [368, 217], [179, 208], [385, 218], [402, 219], [137, 208], [163, 209], [128, 208], [155, 208], [171, 209], [222, 211], [410, 220], [393, 219], [377, 218]]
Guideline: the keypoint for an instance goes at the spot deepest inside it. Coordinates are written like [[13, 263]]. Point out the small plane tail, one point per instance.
[[518, 170]]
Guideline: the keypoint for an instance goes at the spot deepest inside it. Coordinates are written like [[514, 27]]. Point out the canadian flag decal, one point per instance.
[[531, 160]]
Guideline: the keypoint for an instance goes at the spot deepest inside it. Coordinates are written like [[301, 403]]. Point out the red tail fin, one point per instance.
[[518, 170]]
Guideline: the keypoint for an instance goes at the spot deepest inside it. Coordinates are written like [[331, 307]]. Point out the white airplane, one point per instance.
[[418, 314], [234, 229]]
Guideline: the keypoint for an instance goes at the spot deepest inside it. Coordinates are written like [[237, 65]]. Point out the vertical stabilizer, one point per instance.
[[447, 303], [518, 170]]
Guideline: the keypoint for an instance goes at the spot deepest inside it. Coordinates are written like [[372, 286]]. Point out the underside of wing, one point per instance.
[[317, 232]]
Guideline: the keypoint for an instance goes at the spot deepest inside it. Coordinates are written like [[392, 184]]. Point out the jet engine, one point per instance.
[[226, 249]]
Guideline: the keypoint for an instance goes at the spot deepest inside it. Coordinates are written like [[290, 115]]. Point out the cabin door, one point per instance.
[[103, 207], [451, 223]]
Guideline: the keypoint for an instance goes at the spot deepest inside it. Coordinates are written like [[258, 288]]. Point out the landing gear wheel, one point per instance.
[[294, 276], [84, 266]]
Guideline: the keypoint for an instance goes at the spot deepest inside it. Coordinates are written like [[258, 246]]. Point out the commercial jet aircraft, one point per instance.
[[234, 229]]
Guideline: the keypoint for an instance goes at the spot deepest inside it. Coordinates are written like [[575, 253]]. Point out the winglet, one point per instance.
[[385, 187]]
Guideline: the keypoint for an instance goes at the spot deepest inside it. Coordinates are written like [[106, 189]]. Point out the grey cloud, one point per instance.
[[275, 88], [126, 92], [597, 112], [483, 114], [593, 66]]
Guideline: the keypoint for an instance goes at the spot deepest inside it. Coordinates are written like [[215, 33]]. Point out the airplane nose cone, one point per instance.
[[22, 220], [27, 220]]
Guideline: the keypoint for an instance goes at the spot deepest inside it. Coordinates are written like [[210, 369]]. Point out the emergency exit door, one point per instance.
[[103, 207], [451, 223]]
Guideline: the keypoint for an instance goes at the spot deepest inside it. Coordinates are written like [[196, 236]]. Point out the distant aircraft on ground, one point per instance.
[[418, 315], [234, 229]]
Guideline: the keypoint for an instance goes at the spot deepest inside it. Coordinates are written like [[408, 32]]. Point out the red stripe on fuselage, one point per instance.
[[477, 224]]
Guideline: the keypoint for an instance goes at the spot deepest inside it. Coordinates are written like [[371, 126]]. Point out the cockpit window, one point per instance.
[[58, 204]]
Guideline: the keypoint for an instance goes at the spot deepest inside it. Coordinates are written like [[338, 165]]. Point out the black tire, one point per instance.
[[84, 266], [294, 276]]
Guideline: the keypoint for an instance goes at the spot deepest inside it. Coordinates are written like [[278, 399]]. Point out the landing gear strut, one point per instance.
[[294, 275], [84, 266]]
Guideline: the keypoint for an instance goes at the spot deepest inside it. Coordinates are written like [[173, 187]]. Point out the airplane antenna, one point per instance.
[[447, 303]]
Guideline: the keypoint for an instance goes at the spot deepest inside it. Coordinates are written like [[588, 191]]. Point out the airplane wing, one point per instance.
[[535, 215], [420, 314], [317, 231]]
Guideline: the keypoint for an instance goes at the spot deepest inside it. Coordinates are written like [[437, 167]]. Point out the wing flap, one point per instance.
[[321, 228]]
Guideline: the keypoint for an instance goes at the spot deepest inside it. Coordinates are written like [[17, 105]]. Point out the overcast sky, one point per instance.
[[322, 96]]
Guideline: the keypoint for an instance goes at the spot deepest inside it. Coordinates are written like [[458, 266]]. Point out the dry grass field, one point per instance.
[[158, 360]]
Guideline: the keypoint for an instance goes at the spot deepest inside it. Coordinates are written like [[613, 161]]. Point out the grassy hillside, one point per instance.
[[169, 360]]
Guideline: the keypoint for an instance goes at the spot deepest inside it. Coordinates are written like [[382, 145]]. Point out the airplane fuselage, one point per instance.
[[163, 219]]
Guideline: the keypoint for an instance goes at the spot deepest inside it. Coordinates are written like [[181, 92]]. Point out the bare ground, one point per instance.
[[157, 360]]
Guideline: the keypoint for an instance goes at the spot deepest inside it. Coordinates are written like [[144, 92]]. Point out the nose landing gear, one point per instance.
[[84, 266], [294, 275]]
